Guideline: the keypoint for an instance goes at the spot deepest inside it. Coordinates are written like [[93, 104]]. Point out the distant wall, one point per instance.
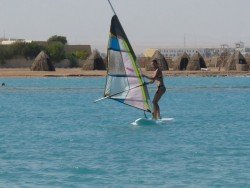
[[80, 63], [74, 48], [17, 63], [70, 48], [24, 63], [62, 64]]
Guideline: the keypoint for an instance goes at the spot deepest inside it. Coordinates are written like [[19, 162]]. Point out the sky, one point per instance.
[[148, 23]]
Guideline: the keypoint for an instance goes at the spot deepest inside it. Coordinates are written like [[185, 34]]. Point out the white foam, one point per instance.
[[150, 121]]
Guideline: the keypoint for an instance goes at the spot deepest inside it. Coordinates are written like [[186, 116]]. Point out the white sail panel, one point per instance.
[[124, 80]]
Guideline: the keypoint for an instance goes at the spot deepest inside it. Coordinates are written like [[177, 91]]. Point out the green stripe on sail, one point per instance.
[[139, 76]]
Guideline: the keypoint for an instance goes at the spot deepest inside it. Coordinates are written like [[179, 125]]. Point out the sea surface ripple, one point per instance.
[[53, 135]]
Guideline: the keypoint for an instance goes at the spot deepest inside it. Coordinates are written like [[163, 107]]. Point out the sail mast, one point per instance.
[[112, 7]]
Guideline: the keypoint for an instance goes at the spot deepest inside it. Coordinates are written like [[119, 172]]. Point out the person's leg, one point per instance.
[[156, 106], [155, 110], [157, 97]]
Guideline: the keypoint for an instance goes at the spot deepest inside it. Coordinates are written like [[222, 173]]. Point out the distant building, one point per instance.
[[205, 52], [174, 52], [224, 48], [240, 47], [11, 41]]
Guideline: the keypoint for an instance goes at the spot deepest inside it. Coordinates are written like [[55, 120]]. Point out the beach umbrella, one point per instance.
[[196, 62], [236, 62], [248, 61], [42, 63], [181, 62], [94, 62], [162, 62], [215, 61], [219, 60]]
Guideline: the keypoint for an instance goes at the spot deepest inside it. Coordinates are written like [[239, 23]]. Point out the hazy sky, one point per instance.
[[148, 23]]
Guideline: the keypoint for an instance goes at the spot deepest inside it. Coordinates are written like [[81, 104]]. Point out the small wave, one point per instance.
[[50, 89]]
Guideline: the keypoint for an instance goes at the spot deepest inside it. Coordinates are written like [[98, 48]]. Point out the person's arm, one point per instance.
[[152, 78], [148, 77], [155, 75]]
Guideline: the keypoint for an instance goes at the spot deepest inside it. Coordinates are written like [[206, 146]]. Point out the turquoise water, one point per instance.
[[53, 135]]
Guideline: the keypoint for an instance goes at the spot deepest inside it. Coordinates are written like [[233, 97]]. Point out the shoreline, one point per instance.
[[78, 72]]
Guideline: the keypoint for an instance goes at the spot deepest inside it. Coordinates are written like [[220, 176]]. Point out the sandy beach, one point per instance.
[[78, 72], [60, 72]]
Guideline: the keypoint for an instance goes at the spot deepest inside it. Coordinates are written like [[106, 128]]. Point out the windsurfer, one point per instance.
[[158, 77]]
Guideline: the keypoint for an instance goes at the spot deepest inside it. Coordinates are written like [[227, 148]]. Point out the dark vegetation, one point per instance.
[[55, 48]]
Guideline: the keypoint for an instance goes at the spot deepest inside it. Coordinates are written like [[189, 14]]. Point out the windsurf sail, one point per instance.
[[124, 81]]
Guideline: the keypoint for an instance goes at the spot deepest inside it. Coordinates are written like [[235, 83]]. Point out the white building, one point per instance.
[[240, 46], [173, 52], [11, 41], [205, 52]]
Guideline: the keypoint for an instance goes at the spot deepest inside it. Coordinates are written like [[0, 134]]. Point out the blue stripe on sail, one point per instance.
[[118, 50], [119, 100], [114, 44]]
